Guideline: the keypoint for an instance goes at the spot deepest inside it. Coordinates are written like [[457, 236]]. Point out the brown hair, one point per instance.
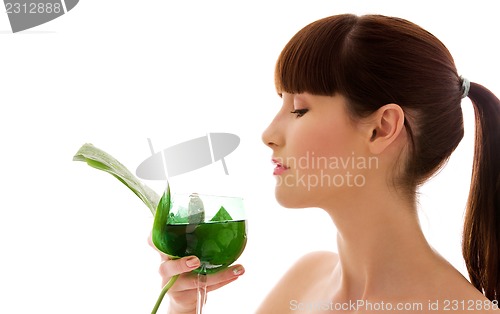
[[374, 60]]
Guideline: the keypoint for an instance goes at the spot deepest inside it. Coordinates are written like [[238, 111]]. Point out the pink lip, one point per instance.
[[280, 168]]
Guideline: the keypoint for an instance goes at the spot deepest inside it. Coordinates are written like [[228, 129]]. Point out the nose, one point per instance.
[[272, 136]]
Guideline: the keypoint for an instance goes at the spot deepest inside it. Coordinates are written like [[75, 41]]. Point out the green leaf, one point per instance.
[[222, 215], [101, 160], [162, 211], [160, 222], [196, 209], [180, 218]]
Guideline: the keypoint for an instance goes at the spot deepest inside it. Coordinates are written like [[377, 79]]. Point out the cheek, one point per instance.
[[325, 140], [326, 160]]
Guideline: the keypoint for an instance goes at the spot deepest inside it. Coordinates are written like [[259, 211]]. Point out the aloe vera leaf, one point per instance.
[[101, 160], [196, 209], [222, 215], [160, 222]]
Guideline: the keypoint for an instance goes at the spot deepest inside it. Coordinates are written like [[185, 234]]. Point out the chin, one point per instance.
[[293, 198]]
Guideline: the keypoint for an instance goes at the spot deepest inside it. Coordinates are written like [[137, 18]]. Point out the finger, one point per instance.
[[230, 273], [169, 268], [190, 281], [150, 240], [164, 257], [220, 284], [187, 296]]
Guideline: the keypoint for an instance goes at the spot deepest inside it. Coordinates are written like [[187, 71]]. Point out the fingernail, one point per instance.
[[238, 271], [192, 262]]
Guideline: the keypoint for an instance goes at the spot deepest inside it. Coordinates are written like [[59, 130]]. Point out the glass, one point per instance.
[[213, 228]]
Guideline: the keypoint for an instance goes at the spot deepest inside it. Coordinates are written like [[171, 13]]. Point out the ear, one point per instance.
[[385, 127]]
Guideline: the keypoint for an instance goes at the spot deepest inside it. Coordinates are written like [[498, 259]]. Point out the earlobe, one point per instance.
[[386, 127]]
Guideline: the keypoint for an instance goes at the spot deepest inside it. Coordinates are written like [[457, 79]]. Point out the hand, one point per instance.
[[183, 293]]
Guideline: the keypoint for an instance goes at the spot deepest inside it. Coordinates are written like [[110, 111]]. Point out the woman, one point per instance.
[[371, 110]]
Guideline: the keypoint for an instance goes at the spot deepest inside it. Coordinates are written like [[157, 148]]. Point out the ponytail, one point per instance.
[[374, 60], [481, 236]]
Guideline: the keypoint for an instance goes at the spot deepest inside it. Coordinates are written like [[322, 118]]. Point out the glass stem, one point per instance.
[[169, 284], [202, 290]]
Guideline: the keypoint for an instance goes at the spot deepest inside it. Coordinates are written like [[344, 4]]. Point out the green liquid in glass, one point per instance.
[[216, 244]]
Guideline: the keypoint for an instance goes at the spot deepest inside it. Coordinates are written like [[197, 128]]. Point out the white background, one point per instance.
[[116, 72]]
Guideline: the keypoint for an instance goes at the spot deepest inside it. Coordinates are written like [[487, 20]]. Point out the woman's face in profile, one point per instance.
[[315, 144]]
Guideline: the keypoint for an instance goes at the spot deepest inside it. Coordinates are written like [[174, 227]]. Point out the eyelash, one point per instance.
[[299, 112]]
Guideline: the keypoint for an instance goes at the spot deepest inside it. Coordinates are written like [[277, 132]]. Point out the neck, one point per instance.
[[381, 246]]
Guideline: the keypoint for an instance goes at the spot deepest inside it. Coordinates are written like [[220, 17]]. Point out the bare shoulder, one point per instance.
[[317, 262], [469, 300], [318, 259], [321, 261], [453, 292], [304, 273]]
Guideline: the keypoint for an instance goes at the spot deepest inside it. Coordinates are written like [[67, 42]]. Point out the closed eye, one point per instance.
[[299, 112]]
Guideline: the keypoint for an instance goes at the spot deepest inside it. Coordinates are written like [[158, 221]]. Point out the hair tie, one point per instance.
[[465, 86]]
